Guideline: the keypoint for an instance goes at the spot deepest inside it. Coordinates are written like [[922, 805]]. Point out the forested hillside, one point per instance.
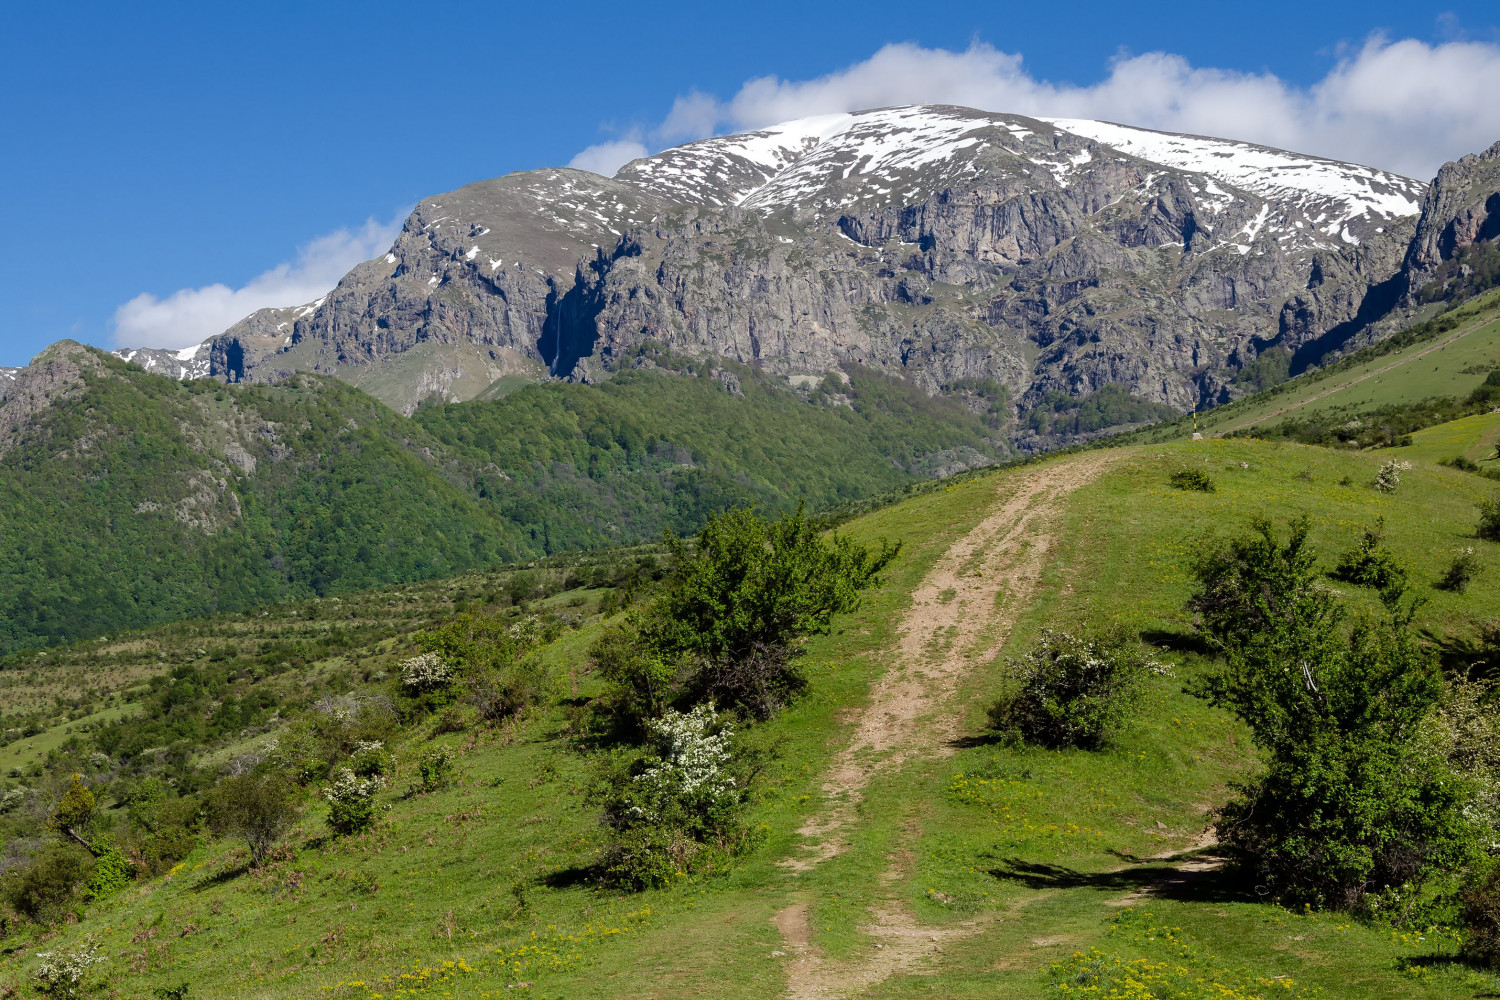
[[129, 498]]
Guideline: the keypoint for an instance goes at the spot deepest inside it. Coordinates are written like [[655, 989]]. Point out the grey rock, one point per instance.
[[934, 243]]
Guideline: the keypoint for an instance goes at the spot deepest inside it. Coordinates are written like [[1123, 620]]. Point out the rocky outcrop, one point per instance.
[[56, 374], [1461, 207]]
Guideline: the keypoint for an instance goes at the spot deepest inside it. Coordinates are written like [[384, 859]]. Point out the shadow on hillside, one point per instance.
[[569, 878], [1177, 641], [221, 877], [1198, 877]]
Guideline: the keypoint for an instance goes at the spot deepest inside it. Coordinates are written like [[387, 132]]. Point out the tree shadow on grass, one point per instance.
[[574, 877], [1193, 877], [1177, 641], [221, 877]]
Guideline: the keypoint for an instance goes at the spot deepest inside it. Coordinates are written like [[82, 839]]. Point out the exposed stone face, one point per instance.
[[54, 375], [934, 243], [1462, 206]]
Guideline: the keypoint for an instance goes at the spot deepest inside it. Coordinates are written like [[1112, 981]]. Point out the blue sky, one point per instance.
[[166, 149]]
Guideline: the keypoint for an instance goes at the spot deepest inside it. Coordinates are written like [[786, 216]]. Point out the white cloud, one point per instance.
[[607, 157], [1405, 105], [191, 315]]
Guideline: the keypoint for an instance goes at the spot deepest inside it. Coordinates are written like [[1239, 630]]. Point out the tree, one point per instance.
[[1346, 805], [258, 807], [733, 609], [74, 812]]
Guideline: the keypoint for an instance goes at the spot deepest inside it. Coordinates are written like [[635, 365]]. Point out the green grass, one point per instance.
[[1451, 364], [1032, 846]]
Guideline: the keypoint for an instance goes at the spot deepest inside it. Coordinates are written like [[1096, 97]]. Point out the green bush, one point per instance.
[[1348, 804], [734, 607], [370, 759], [676, 808], [647, 857], [258, 807], [112, 872], [1072, 690], [489, 660], [1460, 572], [1193, 479], [1479, 917], [434, 769], [1370, 564], [1461, 463], [351, 803], [1489, 521], [50, 885]]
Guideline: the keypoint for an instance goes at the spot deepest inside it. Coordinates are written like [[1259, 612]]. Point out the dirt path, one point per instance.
[[1437, 345], [959, 617]]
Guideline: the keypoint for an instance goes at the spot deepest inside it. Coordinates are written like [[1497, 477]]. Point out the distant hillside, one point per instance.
[[130, 499]]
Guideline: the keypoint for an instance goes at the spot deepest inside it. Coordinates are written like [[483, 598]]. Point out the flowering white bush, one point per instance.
[[1389, 476], [688, 771], [351, 801], [62, 976], [425, 672]]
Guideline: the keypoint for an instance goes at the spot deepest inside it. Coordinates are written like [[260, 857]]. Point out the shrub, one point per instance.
[[434, 769], [112, 872], [63, 976], [685, 780], [642, 683], [1370, 564], [44, 889], [1461, 463], [1489, 521], [676, 808], [1073, 691], [258, 807], [1479, 917], [351, 802], [425, 672], [1193, 479], [647, 857], [74, 811], [488, 661], [1389, 476], [735, 606], [1347, 805], [1460, 572], [370, 759]]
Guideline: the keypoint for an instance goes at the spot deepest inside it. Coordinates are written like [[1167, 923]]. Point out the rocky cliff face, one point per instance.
[[939, 244], [1461, 208]]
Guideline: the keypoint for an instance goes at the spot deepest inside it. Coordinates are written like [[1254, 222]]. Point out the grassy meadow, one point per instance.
[[1027, 864]]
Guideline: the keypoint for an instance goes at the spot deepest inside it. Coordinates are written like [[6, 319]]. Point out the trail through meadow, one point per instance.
[[959, 618]]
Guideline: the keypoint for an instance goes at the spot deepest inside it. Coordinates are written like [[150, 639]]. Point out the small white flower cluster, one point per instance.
[[1389, 476], [367, 746], [690, 766], [62, 976], [425, 672], [350, 787]]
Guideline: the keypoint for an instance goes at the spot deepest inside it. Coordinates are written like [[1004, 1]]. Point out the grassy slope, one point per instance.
[[1452, 363], [1027, 843]]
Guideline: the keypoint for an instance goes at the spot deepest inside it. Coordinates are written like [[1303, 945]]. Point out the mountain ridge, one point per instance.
[[935, 243]]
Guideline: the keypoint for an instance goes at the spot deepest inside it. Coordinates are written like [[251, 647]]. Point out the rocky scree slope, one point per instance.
[[935, 243]]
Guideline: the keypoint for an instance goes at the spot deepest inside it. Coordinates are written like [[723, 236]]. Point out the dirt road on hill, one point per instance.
[[959, 618]]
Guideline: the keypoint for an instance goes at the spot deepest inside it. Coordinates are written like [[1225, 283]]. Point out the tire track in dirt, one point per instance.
[[960, 616]]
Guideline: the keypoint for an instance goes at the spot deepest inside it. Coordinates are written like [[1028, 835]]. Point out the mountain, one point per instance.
[[936, 244], [127, 498]]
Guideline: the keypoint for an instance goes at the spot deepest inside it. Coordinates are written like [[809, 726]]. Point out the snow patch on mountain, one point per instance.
[[1270, 173]]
